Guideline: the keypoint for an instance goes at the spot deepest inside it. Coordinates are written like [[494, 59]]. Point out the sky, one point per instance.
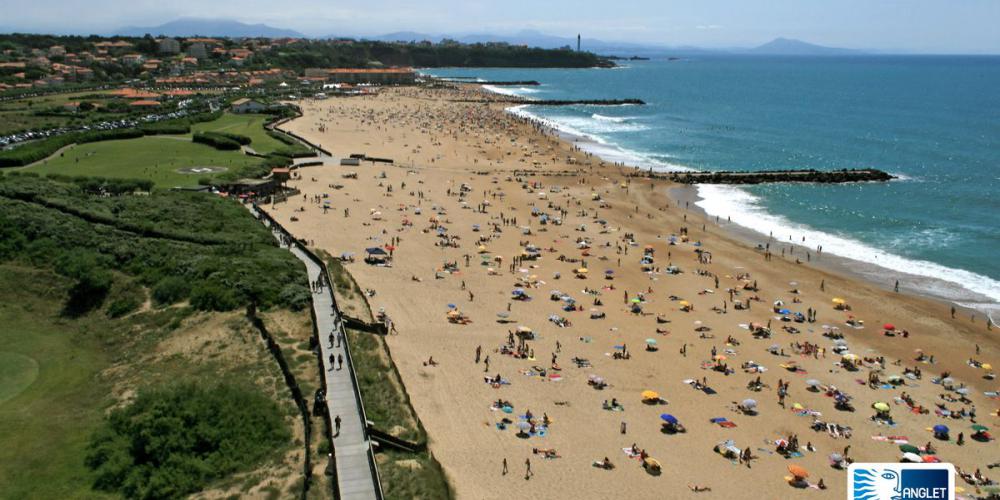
[[920, 26]]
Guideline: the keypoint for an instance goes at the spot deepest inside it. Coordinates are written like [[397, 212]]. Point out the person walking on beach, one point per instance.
[[336, 424], [504, 473], [527, 469], [332, 362], [479, 351], [486, 361], [896, 288], [340, 361]]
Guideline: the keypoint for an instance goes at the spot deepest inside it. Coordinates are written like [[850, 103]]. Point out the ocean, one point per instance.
[[933, 121]]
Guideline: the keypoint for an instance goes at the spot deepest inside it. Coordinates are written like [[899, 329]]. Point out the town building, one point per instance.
[[378, 76], [246, 105], [169, 46]]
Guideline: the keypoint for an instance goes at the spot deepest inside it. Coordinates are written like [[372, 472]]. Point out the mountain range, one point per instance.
[[209, 27], [234, 29]]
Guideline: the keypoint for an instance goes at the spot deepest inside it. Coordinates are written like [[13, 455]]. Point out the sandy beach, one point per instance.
[[468, 193]]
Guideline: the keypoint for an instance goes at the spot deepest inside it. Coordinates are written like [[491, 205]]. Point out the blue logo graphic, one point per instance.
[[898, 481]]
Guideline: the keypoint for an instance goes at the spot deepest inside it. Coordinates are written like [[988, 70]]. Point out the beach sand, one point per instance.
[[438, 145]]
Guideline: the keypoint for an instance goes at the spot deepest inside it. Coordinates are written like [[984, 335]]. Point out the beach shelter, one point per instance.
[[668, 418], [375, 251], [908, 448], [798, 471], [650, 395]]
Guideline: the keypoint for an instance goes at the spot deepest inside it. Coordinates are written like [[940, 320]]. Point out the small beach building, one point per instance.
[[246, 105]]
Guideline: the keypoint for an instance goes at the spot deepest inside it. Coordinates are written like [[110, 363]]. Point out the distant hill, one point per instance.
[[210, 27], [791, 47]]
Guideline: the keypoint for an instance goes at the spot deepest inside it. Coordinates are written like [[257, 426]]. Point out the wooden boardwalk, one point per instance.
[[355, 474]]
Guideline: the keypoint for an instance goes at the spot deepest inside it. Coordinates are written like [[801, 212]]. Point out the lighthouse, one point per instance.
[[578, 42]]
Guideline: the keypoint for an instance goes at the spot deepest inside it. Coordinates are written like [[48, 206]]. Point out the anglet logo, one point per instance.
[[901, 481]]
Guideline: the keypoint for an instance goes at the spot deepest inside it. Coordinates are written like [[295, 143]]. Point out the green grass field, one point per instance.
[[153, 157], [51, 398], [250, 125], [160, 158]]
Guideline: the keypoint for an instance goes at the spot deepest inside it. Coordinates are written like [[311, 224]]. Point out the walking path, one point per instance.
[[356, 475], [354, 470]]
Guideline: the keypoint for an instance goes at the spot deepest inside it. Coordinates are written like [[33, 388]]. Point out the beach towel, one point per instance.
[[628, 453], [727, 424], [717, 420]]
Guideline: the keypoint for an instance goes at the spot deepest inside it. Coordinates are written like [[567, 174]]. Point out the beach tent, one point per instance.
[[375, 251]]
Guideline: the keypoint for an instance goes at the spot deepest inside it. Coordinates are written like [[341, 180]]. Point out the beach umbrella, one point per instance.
[[838, 300], [609, 271], [523, 426], [980, 428], [582, 270], [518, 291], [637, 300], [840, 342], [947, 380], [912, 457], [987, 366], [797, 406], [749, 403], [962, 390], [784, 311], [668, 418], [523, 329], [452, 306], [908, 448], [850, 357], [375, 251], [778, 303], [939, 429], [684, 303], [880, 406], [798, 471], [453, 314], [720, 357], [813, 382], [889, 326], [836, 458], [503, 314], [650, 395], [651, 341]]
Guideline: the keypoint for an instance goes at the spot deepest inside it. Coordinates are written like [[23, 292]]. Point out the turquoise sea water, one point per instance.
[[933, 121]]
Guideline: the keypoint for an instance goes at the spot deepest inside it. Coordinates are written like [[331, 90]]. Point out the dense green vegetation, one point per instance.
[[323, 53], [225, 258], [172, 441]]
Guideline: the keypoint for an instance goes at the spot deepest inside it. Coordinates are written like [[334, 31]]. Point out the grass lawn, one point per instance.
[[153, 157], [50, 397], [250, 125]]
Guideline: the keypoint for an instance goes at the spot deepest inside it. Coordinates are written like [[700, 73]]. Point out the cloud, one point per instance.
[[709, 27]]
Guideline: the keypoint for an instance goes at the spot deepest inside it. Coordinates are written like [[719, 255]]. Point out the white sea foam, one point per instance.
[[502, 90], [746, 210], [616, 119]]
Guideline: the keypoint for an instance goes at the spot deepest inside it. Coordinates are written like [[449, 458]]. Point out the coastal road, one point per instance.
[[356, 476]]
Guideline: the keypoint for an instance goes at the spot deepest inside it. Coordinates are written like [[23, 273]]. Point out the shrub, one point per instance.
[[242, 139], [214, 297], [216, 140], [172, 442], [171, 290], [296, 296]]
